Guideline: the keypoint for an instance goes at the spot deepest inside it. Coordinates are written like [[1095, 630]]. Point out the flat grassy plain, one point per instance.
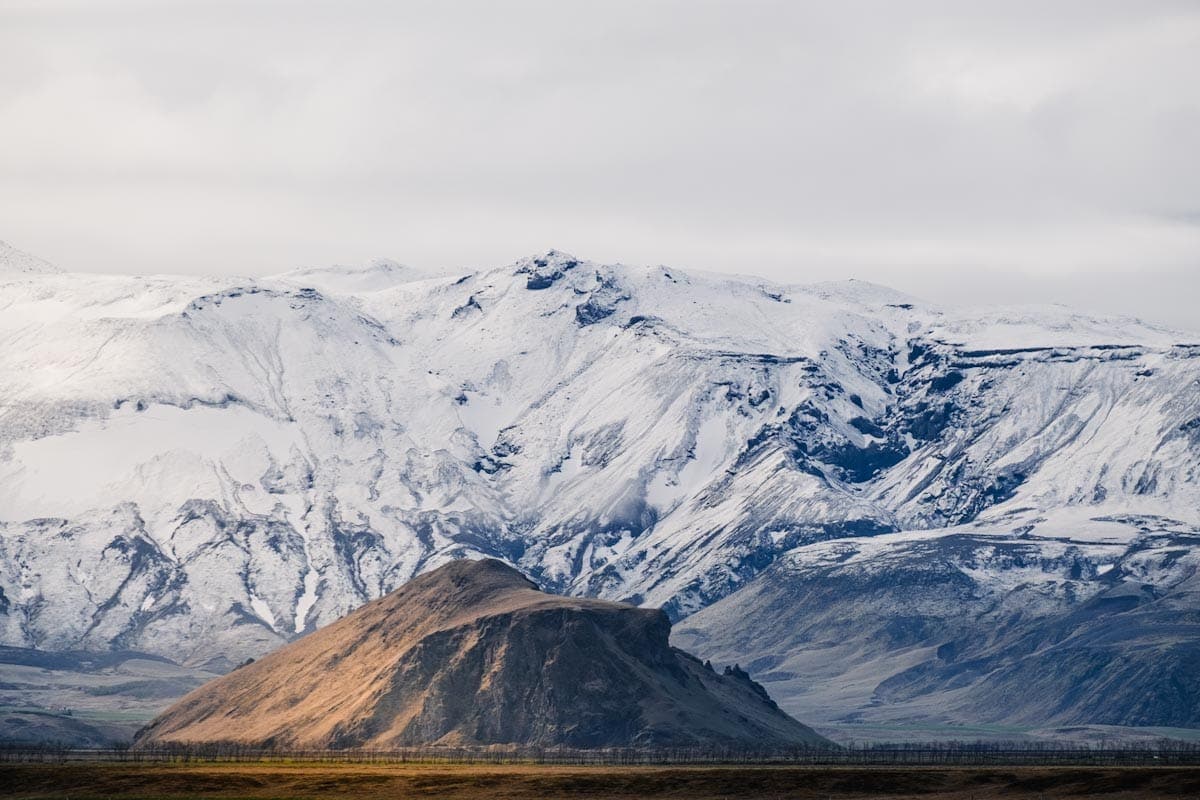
[[520, 782]]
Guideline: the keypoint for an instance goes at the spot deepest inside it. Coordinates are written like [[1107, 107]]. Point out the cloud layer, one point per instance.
[[1006, 152]]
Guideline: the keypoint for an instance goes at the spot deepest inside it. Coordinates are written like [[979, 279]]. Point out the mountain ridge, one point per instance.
[[250, 459]]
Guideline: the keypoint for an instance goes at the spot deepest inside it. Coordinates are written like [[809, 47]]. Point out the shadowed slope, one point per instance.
[[473, 653]]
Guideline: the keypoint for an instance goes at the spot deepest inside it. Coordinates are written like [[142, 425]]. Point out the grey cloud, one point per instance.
[[937, 147]]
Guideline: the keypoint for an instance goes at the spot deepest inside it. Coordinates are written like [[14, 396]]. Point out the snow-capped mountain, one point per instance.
[[13, 260], [207, 467]]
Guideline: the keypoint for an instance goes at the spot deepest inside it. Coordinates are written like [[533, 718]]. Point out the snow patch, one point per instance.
[[307, 600], [668, 489], [262, 610]]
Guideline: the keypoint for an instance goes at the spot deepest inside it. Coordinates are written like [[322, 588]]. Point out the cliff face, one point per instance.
[[473, 653]]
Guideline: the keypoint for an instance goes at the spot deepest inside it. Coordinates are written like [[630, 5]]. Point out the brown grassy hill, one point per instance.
[[473, 653]]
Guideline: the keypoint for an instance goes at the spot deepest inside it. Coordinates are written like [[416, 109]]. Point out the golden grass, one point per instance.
[[519, 782]]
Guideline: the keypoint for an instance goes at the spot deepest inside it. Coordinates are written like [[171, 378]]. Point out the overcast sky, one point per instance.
[[1017, 152]]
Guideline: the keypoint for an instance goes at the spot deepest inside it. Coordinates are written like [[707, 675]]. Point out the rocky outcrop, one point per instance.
[[474, 654]]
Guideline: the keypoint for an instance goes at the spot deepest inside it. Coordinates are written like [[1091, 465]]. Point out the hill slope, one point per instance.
[[473, 653], [18, 262], [975, 626]]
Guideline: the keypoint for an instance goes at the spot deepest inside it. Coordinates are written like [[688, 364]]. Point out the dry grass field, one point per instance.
[[516, 782]]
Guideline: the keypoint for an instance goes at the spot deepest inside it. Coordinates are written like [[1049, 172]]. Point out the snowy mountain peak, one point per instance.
[[13, 260], [551, 258], [863, 293], [545, 270], [377, 274]]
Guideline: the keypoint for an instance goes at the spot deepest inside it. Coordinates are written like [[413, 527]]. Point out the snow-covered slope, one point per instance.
[[382, 273], [14, 262], [206, 467]]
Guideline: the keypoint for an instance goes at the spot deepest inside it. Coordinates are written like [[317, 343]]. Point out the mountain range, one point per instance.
[[893, 513]]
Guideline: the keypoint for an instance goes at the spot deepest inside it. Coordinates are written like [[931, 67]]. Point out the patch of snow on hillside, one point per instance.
[[668, 488]]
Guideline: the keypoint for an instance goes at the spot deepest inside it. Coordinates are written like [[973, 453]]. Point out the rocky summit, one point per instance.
[[474, 654]]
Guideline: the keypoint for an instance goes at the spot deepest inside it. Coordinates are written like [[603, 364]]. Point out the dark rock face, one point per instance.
[[544, 271], [473, 653]]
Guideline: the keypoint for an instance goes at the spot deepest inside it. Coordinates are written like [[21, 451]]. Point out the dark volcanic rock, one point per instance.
[[473, 653]]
